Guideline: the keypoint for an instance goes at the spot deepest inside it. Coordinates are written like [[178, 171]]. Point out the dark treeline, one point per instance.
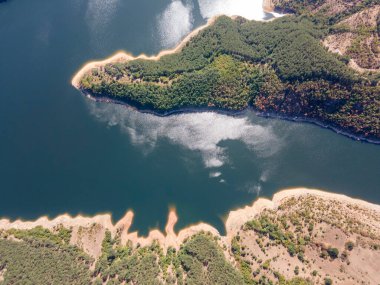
[[278, 67], [41, 257]]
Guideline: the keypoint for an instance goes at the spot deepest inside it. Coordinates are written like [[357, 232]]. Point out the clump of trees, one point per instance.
[[199, 261], [204, 262], [43, 257], [265, 226], [124, 263], [333, 252]]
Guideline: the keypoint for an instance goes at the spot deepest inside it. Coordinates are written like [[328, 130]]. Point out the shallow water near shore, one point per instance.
[[61, 152]]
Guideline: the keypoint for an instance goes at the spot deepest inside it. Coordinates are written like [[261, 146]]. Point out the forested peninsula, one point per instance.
[[279, 68]]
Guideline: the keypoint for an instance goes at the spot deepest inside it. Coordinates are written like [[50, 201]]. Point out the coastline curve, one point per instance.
[[233, 223]]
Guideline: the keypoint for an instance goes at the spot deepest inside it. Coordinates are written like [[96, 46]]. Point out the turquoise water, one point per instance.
[[60, 152]]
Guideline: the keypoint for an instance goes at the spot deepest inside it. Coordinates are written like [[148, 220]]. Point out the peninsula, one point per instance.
[[294, 67]]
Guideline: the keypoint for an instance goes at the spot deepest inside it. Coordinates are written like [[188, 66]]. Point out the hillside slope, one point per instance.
[[358, 37]]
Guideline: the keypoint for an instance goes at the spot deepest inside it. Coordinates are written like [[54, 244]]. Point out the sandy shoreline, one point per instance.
[[233, 223], [123, 56]]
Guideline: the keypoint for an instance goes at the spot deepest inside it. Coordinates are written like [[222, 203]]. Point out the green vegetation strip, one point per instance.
[[41, 257]]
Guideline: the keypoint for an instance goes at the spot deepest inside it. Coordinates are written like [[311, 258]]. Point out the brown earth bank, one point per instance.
[[304, 233], [324, 7], [355, 31], [359, 38]]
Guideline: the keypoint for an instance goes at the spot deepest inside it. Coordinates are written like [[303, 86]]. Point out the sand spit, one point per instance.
[[88, 232], [122, 56]]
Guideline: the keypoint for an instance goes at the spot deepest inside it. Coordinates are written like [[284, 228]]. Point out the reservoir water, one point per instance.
[[61, 152]]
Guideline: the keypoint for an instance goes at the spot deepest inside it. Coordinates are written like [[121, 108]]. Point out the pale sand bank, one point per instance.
[[123, 56], [83, 227]]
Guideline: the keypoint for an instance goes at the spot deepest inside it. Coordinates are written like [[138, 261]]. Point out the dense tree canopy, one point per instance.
[[275, 67]]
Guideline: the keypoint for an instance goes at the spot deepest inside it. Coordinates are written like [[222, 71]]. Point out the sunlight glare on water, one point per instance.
[[174, 23], [177, 20], [250, 9]]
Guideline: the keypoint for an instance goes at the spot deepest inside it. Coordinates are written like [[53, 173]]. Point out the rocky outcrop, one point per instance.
[[268, 6], [326, 7], [358, 37]]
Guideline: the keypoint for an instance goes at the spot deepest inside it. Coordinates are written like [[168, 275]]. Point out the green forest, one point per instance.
[[277, 68], [39, 257]]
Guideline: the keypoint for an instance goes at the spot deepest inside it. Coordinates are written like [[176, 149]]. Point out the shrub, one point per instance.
[[296, 270], [333, 252], [349, 245]]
